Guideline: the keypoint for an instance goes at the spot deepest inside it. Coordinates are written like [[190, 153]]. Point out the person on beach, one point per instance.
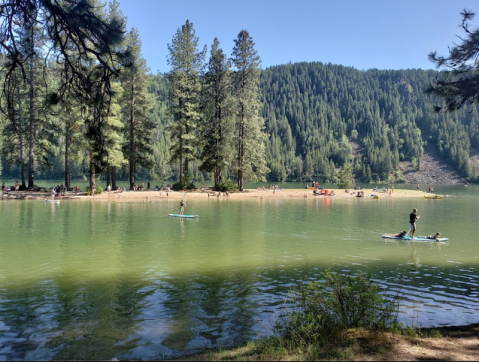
[[54, 192], [17, 186], [413, 217]]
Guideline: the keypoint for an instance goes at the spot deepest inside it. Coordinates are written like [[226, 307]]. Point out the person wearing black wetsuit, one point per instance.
[[413, 216]]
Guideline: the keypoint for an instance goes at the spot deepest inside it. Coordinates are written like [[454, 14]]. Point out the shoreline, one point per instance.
[[207, 193]]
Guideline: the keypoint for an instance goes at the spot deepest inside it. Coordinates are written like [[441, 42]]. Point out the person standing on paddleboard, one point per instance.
[[413, 216], [182, 206]]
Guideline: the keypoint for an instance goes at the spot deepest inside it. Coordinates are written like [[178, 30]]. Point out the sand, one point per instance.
[[205, 193]]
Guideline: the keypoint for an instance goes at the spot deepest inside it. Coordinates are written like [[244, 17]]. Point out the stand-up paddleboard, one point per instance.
[[184, 216], [50, 200], [416, 238]]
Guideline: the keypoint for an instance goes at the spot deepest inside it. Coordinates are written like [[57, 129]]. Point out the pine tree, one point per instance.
[[30, 125], [251, 156], [14, 128], [345, 176], [104, 129], [186, 62], [217, 106], [137, 107], [458, 82]]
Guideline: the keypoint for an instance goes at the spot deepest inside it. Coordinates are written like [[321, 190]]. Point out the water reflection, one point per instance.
[[103, 280]]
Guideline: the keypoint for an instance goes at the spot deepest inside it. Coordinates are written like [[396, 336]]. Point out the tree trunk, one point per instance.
[[181, 156], [240, 180], [92, 175], [68, 141], [181, 142], [217, 176], [241, 150], [113, 178], [132, 154], [108, 181], [186, 163], [20, 138], [31, 140]]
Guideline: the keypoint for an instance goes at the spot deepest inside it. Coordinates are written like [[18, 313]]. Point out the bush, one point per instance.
[[182, 185], [185, 184], [325, 311], [98, 189], [228, 185]]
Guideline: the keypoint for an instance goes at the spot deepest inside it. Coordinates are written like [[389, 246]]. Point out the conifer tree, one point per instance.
[[458, 82], [186, 62], [14, 127], [104, 130], [250, 152], [345, 176], [29, 121], [217, 105], [137, 106]]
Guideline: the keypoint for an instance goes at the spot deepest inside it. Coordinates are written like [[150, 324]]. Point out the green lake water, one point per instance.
[[98, 280]]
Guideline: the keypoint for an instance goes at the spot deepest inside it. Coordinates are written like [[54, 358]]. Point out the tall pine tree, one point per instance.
[[137, 106], [186, 61], [251, 156], [217, 105]]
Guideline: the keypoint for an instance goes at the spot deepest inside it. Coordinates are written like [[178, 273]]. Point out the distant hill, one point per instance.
[[317, 114]]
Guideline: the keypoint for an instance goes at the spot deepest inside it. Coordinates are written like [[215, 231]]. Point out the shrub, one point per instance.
[[326, 310], [228, 185], [185, 184], [98, 189], [182, 185]]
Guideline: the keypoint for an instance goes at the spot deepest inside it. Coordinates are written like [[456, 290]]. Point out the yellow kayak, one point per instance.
[[433, 197]]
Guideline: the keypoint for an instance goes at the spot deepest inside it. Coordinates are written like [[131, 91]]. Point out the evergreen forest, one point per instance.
[[218, 116]]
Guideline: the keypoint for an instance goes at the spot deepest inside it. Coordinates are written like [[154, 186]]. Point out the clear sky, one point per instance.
[[364, 34]]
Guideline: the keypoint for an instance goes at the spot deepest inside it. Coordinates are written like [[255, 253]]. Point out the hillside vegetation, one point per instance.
[[319, 116]]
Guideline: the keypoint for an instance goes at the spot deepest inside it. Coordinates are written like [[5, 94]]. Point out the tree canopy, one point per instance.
[[458, 82]]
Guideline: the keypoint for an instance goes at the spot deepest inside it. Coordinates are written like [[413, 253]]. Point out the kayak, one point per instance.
[[416, 238], [435, 197], [184, 216], [50, 200]]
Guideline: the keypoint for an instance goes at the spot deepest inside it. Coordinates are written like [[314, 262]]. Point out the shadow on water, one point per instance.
[[128, 317]]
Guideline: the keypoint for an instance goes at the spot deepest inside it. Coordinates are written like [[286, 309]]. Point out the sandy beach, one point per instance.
[[205, 193]]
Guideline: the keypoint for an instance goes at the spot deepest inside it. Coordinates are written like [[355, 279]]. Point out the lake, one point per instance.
[[97, 280]]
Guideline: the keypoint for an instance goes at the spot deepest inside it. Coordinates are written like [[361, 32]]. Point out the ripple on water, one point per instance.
[[129, 282]]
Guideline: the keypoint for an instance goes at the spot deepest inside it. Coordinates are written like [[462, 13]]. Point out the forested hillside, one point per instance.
[[317, 116]]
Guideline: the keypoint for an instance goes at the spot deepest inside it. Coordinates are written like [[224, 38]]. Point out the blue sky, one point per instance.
[[364, 34]]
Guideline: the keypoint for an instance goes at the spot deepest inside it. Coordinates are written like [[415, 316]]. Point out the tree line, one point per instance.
[[85, 105], [127, 123]]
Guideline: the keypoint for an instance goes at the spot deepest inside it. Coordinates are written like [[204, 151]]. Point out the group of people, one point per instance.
[[139, 188], [218, 194], [60, 190], [413, 217], [7, 189]]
